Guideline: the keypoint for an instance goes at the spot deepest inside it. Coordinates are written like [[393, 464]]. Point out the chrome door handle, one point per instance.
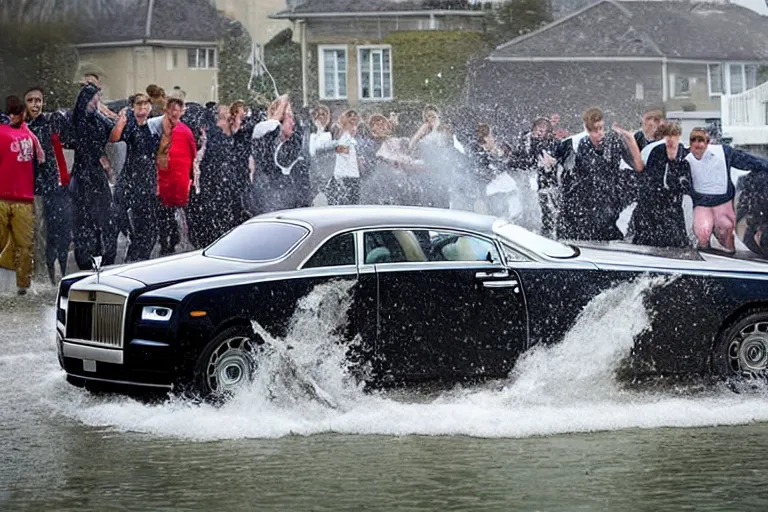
[[492, 275], [502, 284]]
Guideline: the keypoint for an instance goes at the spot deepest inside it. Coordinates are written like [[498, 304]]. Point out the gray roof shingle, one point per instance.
[[172, 20], [673, 29]]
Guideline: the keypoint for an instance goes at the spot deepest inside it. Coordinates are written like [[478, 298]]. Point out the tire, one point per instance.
[[741, 351], [227, 363]]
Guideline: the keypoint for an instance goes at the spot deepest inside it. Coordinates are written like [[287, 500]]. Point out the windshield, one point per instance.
[[532, 241], [258, 241]]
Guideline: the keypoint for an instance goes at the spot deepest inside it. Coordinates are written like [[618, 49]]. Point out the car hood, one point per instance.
[[178, 268], [622, 255]]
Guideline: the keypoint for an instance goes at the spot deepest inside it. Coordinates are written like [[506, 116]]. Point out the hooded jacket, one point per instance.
[[281, 166]]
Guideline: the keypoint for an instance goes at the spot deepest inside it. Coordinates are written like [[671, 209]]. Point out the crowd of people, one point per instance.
[[192, 172]]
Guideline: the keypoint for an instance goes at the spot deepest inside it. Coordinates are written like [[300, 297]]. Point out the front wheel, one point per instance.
[[742, 349], [227, 363]]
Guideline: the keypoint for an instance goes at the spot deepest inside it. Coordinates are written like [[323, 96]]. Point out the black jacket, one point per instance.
[[44, 127], [595, 189], [659, 219], [527, 154], [282, 167], [89, 135]]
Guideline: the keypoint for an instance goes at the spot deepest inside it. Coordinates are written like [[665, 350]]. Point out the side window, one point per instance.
[[457, 247], [513, 255], [396, 246], [406, 245], [339, 250]]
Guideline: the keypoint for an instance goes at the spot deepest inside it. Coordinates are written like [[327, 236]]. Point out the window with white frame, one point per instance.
[[681, 86], [715, 79], [741, 77], [375, 72], [333, 72], [201, 58]]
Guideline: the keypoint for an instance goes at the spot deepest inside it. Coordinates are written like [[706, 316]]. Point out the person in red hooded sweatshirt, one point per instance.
[[175, 160], [18, 150]]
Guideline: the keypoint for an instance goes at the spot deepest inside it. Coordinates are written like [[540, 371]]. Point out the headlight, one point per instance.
[[156, 313]]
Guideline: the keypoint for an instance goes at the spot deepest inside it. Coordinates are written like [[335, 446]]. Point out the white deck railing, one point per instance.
[[745, 109]]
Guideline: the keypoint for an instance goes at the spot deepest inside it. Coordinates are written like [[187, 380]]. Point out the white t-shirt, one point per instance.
[[346, 163], [710, 175]]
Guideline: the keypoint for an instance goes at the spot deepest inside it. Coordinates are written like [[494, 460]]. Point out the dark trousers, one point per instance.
[[341, 191], [169, 230], [144, 228], [548, 205], [57, 209], [95, 230]]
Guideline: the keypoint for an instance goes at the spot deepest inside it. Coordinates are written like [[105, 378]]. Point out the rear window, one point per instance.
[[258, 241]]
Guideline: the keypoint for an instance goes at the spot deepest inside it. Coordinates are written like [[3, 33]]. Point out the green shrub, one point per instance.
[[282, 58], [431, 66]]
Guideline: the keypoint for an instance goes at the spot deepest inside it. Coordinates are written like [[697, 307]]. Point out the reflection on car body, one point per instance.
[[437, 295]]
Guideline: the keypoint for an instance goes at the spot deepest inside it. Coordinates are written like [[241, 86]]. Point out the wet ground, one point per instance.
[[559, 436]]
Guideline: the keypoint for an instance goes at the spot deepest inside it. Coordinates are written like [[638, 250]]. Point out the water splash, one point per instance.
[[310, 363], [583, 364], [308, 388]]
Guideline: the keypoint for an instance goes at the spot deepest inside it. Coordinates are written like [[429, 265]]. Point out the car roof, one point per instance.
[[340, 218]]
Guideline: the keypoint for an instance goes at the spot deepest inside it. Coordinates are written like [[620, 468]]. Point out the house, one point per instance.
[[165, 42], [626, 56], [345, 56]]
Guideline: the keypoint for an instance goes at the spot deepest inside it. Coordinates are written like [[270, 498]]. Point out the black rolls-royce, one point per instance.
[[436, 295]]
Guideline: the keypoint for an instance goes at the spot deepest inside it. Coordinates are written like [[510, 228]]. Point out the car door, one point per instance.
[[337, 258], [436, 291]]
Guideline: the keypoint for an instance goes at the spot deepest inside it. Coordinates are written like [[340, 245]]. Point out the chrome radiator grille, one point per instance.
[[95, 318]]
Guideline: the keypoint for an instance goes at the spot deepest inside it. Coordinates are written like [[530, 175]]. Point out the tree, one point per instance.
[[38, 56], [47, 11], [234, 69], [36, 43], [282, 59], [514, 18]]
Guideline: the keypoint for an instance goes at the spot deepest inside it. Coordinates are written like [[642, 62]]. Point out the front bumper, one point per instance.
[[137, 365]]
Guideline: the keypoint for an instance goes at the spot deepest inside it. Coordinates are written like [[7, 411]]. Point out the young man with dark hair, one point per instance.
[[136, 189], [659, 219], [535, 153], [51, 180], [95, 229], [18, 149], [713, 189], [595, 189], [174, 173], [652, 120]]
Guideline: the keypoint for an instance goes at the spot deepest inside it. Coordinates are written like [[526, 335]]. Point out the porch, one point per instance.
[[745, 117]]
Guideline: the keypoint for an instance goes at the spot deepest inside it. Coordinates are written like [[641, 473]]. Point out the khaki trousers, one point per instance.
[[17, 232]]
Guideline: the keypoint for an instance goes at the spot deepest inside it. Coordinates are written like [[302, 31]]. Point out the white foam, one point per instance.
[[565, 388]]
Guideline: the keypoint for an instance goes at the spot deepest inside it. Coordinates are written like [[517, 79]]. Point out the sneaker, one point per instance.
[[21, 291]]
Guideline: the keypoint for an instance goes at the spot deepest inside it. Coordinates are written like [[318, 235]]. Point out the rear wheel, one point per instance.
[[742, 350], [227, 363]]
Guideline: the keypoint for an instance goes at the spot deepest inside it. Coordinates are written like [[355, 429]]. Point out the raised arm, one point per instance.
[[117, 131], [423, 131], [631, 145], [745, 161]]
